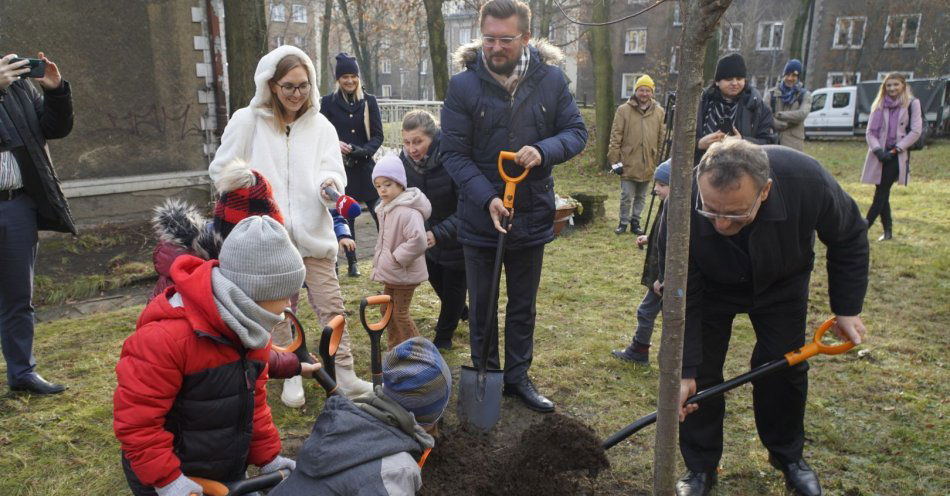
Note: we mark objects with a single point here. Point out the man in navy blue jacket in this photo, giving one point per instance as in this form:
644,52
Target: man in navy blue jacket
510,97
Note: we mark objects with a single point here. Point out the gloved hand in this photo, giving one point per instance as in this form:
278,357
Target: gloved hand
359,152
881,154
182,486
277,464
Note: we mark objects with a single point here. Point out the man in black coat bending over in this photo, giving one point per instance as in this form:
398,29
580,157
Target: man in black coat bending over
30,200
752,236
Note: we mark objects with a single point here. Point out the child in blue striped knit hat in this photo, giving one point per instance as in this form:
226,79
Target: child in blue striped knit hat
373,444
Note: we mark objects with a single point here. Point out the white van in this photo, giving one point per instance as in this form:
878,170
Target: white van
832,112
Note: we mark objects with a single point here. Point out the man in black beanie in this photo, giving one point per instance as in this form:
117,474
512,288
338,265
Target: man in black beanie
730,108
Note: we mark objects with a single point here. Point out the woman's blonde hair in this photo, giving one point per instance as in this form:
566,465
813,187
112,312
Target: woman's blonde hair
359,88
420,119
286,65
906,97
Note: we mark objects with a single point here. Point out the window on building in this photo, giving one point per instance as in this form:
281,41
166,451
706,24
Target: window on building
849,32
901,31
424,67
387,91
465,36
731,39
843,78
278,41
299,13
629,79
636,41
840,100
677,20
385,66
771,35
674,60
818,102
907,74
278,12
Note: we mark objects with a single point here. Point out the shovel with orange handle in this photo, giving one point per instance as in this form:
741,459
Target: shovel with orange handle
330,339
479,402
214,488
816,347
375,331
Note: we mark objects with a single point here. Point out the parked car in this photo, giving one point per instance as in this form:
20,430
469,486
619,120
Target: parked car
832,112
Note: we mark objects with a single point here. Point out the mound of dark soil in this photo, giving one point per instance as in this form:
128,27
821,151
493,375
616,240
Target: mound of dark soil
552,456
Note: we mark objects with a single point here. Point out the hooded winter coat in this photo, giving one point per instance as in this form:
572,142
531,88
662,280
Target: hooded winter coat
789,120
753,118
480,119
401,244
442,193
359,124
37,118
351,452
190,397
296,161
636,139
876,137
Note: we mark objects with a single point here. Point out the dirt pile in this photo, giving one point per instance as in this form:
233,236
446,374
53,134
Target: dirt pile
553,456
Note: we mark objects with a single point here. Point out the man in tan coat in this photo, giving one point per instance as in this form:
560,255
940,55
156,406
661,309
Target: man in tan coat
790,103
636,139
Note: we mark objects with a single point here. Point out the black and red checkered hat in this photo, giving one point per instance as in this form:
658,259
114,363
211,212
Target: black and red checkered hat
234,206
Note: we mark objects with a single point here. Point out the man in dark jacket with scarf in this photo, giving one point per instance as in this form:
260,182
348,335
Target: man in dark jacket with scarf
30,200
752,235
729,107
510,97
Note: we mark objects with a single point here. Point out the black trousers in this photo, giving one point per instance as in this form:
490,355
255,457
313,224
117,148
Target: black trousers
371,206
522,276
778,400
881,204
449,284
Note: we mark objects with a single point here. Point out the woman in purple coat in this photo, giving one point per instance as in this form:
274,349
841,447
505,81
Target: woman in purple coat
894,125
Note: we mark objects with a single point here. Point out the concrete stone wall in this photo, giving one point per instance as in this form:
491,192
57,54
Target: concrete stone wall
131,65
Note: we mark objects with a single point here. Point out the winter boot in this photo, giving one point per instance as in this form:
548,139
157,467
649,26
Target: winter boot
635,228
350,385
352,270
292,395
621,228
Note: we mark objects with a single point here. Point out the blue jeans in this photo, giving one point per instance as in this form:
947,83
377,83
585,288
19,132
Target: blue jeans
646,316
18,244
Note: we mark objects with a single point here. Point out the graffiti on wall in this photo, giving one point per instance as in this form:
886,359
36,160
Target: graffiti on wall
176,121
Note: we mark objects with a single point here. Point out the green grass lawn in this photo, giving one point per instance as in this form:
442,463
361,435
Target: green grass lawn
876,422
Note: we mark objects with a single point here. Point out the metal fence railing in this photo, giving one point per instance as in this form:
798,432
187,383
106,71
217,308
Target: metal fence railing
392,112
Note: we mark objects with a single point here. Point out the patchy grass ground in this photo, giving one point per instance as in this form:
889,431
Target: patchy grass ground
876,424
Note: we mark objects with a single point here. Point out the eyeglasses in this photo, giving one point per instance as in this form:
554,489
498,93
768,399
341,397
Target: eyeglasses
732,218
289,89
503,41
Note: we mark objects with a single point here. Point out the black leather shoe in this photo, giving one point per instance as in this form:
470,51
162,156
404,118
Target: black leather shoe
635,228
34,384
353,270
696,483
800,479
525,390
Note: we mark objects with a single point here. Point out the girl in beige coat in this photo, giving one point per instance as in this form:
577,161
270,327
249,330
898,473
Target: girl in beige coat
399,261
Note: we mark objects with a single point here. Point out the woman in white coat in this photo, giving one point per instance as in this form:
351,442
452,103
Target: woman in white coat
282,135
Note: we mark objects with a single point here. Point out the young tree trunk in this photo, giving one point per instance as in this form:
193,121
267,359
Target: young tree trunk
326,79
545,16
702,18
359,47
245,27
798,31
711,58
438,52
603,82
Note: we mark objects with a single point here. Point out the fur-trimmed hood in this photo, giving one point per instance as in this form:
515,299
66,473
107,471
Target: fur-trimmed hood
468,54
181,224
265,70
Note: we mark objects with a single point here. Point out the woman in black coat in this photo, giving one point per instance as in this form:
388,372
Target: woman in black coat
355,115
444,260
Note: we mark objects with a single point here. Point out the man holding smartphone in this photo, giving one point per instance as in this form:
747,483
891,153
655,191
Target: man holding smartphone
30,200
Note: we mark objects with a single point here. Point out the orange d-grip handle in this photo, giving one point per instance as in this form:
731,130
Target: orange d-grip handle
210,487
510,182
816,347
387,312
298,336
337,325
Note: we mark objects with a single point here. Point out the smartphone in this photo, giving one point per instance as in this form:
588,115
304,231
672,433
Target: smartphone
726,125
37,68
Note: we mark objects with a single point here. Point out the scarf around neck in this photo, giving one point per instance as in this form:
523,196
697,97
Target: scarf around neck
511,82
249,321
719,109
789,95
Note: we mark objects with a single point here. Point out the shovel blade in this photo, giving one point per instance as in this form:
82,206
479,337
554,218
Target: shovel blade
480,397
